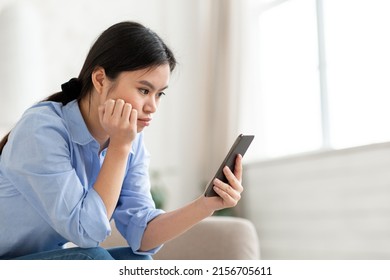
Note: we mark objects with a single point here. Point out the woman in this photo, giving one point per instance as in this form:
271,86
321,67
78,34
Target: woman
77,159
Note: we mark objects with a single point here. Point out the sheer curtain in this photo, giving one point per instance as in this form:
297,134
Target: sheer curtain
224,81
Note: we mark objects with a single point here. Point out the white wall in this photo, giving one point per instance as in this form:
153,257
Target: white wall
178,136
21,57
328,205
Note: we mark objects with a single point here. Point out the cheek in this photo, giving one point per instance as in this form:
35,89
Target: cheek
135,104
130,98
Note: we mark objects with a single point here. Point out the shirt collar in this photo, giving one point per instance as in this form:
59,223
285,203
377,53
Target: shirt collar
77,128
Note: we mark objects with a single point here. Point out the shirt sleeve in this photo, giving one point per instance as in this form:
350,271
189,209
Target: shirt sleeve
136,207
38,153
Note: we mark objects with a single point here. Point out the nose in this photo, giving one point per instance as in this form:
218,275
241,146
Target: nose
151,104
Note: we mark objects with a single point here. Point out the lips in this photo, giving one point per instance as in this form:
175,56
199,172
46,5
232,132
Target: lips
145,121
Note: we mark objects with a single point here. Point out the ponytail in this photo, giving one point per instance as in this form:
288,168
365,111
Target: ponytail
70,91
3,142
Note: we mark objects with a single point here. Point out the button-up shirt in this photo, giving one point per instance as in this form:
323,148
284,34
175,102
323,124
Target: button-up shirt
47,171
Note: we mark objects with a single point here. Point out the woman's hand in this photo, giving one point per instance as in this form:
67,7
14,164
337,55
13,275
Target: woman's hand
119,120
171,224
229,194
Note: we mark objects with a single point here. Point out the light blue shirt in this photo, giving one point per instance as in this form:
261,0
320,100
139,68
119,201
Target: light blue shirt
47,172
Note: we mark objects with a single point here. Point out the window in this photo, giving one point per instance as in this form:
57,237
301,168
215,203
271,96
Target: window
289,82
357,48
323,75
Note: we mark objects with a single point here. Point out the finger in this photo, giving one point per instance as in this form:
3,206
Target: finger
118,108
238,168
227,189
232,179
127,111
229,201
108,108
133,117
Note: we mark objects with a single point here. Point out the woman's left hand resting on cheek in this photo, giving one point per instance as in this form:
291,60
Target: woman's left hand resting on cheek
171,224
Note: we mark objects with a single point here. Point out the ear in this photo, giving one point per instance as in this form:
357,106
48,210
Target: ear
99,78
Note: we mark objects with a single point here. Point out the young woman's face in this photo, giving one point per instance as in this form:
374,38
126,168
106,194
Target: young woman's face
143,89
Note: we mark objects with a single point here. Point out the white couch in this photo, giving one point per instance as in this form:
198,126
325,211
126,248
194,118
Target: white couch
215,238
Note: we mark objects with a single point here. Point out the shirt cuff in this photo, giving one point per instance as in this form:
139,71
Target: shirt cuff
96,225
136,230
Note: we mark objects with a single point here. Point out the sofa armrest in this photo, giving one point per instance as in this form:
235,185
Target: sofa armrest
214,238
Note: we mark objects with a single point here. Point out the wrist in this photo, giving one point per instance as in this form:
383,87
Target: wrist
204,207
119,147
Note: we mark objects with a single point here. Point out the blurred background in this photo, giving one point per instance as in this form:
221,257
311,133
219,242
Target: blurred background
309,78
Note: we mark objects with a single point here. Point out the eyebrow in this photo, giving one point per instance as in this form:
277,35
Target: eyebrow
150,85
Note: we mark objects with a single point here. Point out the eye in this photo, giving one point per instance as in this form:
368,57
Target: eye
161,94
143,91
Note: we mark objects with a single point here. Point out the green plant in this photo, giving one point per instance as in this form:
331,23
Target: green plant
157,189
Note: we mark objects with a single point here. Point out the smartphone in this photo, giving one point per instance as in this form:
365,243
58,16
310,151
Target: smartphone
240,146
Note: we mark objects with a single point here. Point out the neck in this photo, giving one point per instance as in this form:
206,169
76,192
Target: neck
91,118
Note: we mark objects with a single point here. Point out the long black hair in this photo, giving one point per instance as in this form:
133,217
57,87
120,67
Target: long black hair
125,46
